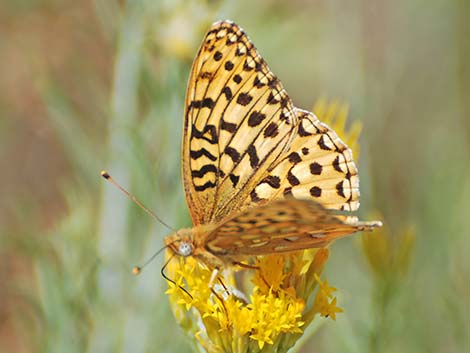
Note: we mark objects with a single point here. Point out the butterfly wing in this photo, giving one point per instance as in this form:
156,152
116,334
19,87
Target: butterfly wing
238,121
281,226
317,166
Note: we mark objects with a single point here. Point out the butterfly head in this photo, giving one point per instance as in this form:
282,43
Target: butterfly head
181,243
185,248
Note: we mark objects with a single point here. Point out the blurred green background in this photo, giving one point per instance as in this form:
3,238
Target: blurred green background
91,85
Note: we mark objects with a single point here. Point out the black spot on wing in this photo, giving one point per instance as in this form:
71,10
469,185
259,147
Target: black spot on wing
256,118
315,191
336,164
202,152
272,181
206,75
254,159
254,196
208,103
227,92
285,101
230,127
217,56
205,186
271,99
315,168
238,52
237,78
228,65
294,158
247,66
229,42
195,104
288,191
302,132
322,144
232,153
292,179
234,179
209,133
272,130
257,83
208,168
274,83
340,189
244,99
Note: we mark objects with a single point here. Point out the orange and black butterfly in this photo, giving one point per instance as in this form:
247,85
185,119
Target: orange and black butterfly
260,175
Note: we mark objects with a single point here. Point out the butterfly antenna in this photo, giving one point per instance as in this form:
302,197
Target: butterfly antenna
109,178
170,280
138,269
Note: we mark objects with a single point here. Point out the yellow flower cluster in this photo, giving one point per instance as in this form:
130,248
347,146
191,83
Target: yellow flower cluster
325,303
266,309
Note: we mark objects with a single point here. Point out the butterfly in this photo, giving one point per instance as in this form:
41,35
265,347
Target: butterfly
260,175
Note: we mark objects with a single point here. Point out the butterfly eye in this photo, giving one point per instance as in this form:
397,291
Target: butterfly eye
185,248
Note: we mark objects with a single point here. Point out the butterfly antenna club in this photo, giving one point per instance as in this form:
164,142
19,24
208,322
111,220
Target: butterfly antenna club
138,269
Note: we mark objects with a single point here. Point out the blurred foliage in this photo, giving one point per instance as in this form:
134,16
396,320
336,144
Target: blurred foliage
96,84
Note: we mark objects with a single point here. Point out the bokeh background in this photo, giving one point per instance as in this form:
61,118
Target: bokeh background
91,85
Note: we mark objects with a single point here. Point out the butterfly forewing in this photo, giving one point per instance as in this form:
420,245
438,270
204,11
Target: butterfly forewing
238,121
281,226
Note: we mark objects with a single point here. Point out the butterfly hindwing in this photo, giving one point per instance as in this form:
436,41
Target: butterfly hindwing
317,166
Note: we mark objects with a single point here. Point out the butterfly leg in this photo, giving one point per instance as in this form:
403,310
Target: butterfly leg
223,289
245,266
220,299
215,273
251,267
231,290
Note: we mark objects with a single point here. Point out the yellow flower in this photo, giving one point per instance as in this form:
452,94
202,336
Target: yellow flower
325,287
267,310
323,304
